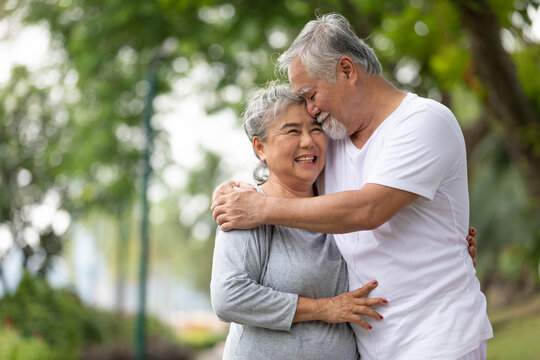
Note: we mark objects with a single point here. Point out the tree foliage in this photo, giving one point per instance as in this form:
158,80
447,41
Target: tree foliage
477,57
33,142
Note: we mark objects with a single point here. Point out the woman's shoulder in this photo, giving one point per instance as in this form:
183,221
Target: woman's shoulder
258,233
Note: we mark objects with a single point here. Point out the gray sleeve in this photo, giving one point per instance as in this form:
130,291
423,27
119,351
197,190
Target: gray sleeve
235,292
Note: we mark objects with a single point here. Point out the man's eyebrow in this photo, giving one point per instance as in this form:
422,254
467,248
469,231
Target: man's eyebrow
304,90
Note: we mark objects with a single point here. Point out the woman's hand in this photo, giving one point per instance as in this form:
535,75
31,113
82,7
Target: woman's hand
347,307
471,239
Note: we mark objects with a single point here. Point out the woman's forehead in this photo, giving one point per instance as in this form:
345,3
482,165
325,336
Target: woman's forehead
293,115
296,112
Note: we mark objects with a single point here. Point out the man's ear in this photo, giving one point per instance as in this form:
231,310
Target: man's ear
260,148
346,69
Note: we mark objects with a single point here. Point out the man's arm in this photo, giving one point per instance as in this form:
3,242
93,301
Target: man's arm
336,213
229,212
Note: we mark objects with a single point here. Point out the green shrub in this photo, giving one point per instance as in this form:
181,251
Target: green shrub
56,316
13,346
56,319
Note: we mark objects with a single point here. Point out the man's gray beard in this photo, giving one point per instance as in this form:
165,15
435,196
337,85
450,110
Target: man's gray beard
334,128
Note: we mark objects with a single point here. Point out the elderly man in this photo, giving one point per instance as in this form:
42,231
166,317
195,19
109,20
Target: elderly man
395,187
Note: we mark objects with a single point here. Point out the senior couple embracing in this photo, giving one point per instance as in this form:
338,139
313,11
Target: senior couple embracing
355,241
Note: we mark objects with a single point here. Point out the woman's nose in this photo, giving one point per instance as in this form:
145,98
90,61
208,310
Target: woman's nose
306,140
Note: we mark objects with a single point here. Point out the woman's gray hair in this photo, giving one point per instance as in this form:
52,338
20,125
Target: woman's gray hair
266,105
322,42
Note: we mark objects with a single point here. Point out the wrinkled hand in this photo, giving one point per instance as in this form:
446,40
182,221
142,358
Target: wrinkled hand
229,187
240,209
471,239
351,306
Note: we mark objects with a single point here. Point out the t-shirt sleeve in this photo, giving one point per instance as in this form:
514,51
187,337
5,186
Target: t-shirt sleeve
417,153
236,294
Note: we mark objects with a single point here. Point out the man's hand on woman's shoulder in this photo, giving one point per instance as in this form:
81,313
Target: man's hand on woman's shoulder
230,186
237,205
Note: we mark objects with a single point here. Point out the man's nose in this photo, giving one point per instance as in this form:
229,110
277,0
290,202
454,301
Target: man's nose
312,109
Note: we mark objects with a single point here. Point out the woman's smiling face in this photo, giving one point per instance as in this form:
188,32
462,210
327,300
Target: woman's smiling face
294,149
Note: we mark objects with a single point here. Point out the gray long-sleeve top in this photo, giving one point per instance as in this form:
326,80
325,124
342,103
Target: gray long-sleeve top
257,276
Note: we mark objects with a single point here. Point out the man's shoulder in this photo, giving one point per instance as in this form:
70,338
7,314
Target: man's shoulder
421,122
418,104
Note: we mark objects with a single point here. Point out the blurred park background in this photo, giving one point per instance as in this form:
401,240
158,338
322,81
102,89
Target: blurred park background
79,168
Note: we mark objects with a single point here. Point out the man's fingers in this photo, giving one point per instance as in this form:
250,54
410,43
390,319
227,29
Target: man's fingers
472,231
222,189
220,219
222,197
223,222
244,186
217,210
217,202
229,187
225,227
213,208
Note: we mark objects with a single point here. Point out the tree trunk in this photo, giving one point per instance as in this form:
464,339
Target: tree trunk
506,97
121,263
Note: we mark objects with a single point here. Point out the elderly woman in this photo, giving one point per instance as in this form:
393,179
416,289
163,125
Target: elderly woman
285,289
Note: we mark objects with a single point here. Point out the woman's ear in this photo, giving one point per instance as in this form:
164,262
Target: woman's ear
260,148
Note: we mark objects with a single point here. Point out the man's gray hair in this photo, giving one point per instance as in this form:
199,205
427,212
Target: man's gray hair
322,42
266,105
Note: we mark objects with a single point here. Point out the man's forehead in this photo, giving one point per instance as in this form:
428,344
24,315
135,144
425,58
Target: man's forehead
299,78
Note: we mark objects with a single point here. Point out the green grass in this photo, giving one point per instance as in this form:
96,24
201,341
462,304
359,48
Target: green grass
516,332
201,338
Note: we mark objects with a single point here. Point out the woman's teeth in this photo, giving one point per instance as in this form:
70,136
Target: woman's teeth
305,159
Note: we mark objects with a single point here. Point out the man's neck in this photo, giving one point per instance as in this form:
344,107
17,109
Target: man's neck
385,99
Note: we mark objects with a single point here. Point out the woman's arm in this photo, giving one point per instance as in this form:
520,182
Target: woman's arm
237,296
346,307
235,292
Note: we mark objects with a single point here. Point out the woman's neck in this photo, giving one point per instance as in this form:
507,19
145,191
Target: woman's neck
274,187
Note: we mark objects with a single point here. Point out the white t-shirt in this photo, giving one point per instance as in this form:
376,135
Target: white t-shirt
419,257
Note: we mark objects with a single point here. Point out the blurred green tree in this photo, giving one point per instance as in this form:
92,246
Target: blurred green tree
477,57
34,141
